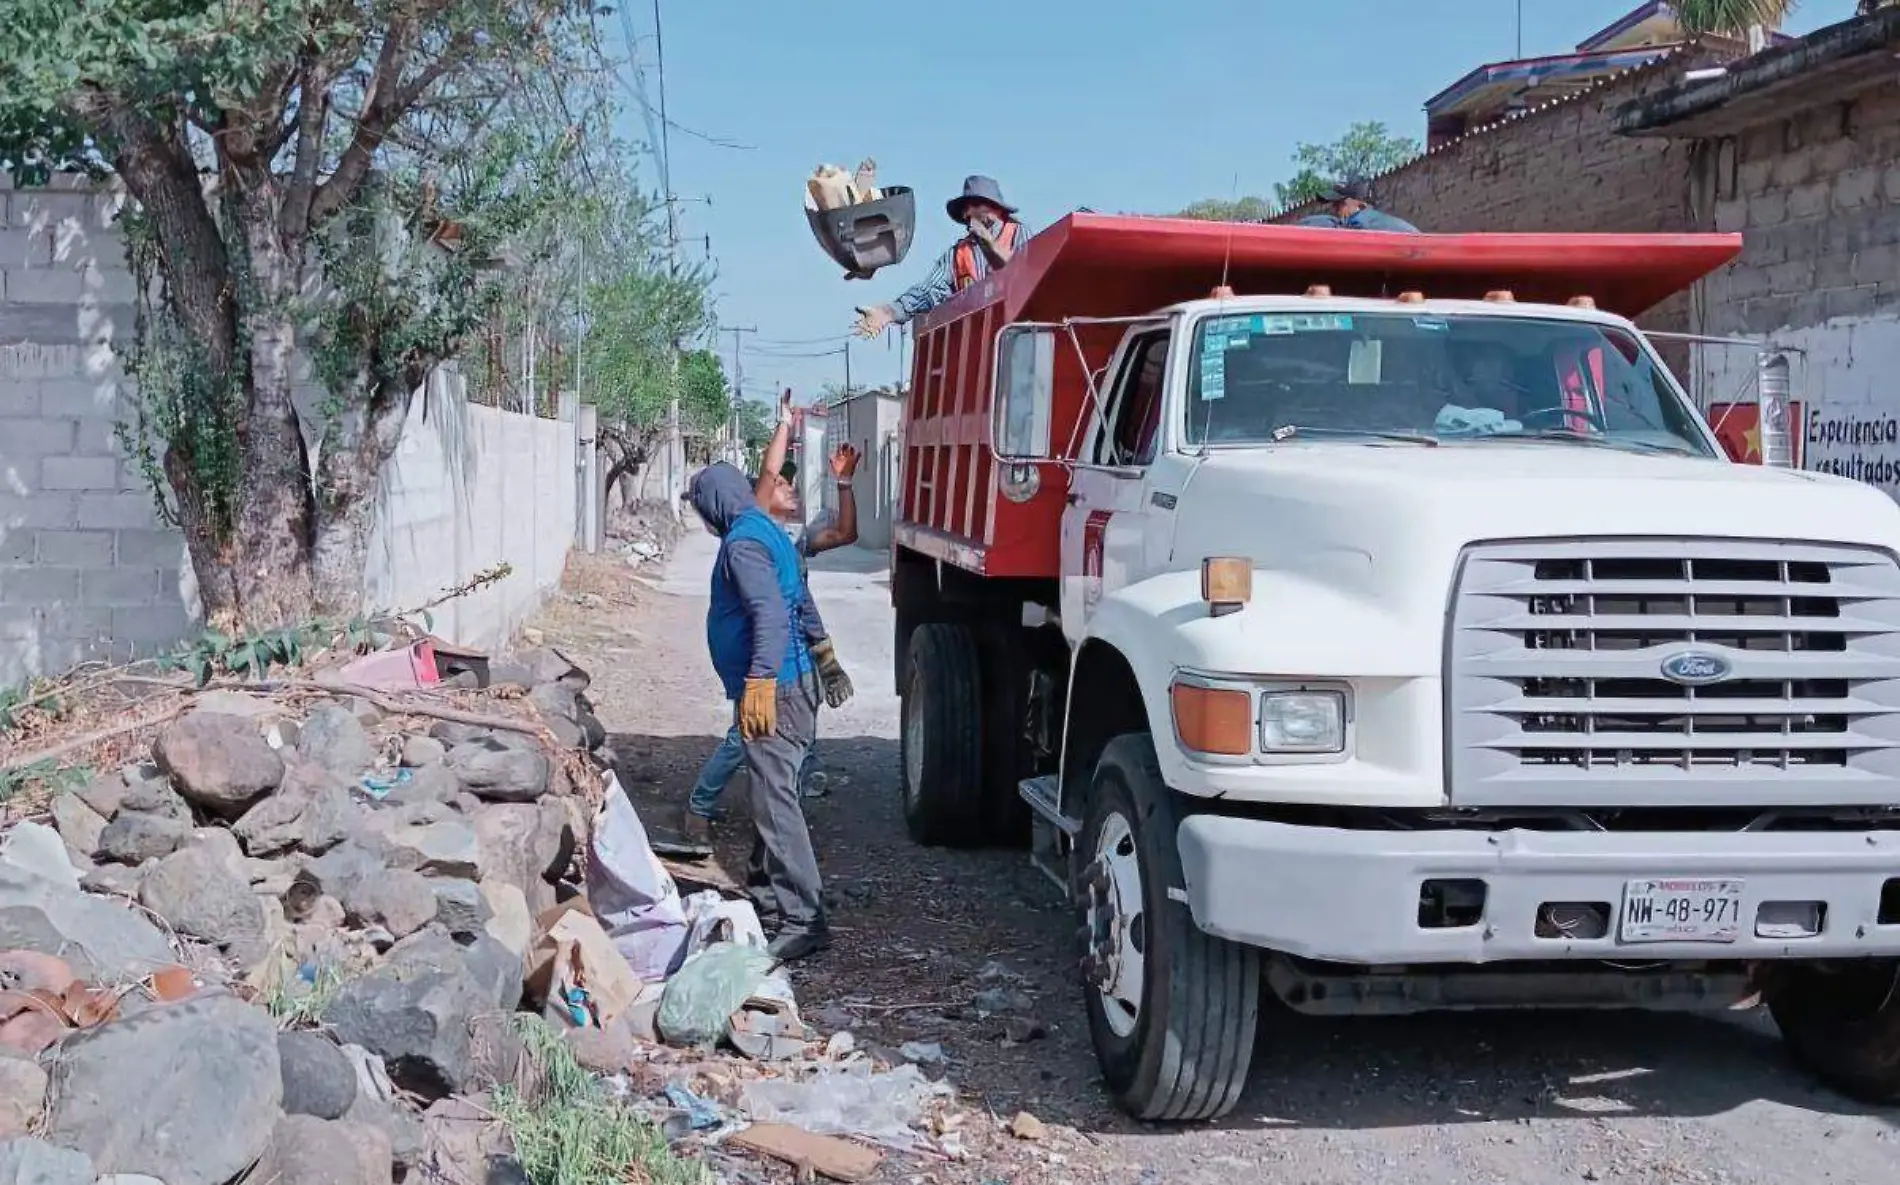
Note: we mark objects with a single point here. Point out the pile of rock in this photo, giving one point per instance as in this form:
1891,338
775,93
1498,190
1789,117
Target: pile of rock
347,899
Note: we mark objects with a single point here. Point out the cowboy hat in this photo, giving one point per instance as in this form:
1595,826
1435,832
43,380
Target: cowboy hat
977,189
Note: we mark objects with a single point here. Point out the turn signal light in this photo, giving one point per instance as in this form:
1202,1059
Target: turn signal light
1582,302
1222,292
1213,720
1500,296
1319,290
1226,583
1411,297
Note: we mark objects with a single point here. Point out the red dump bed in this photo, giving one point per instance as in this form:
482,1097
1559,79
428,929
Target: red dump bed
1092,265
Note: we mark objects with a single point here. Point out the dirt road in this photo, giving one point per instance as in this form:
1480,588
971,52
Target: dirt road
1459,1100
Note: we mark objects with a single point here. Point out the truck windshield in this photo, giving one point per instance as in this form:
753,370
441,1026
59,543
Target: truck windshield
1264,377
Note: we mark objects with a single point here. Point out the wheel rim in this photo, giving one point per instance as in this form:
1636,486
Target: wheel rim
913,747
1117,961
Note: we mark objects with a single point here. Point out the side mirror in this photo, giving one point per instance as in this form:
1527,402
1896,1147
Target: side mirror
1024,392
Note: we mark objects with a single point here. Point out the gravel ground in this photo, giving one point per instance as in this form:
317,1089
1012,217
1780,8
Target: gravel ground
1522,1099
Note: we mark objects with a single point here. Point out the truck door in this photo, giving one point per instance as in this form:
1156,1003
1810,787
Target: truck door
1115,530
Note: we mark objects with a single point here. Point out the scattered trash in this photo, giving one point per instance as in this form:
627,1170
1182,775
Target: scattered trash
1021,1030
576,968
807,1152
841,1045
379,787
850,1100
710,918
991,1001
405,668
701,997
1027,1127
701,1115
632,893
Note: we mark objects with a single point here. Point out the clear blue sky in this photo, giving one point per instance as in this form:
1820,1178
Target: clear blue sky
1120,105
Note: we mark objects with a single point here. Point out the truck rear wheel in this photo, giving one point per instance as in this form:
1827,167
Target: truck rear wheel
942,738
1842,1020
1172,1010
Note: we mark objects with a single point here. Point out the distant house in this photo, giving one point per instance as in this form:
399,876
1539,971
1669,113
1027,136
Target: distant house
1498,90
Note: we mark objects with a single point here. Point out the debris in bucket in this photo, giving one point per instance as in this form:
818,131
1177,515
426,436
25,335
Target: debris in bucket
831,188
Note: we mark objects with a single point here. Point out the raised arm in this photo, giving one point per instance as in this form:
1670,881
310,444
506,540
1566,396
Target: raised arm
843,531
775,450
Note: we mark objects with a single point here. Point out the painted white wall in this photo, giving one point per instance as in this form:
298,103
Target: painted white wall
1847,379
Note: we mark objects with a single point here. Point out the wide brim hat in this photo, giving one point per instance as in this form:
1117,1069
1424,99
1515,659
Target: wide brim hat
977,189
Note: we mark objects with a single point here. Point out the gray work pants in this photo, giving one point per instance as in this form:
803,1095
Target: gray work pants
783,876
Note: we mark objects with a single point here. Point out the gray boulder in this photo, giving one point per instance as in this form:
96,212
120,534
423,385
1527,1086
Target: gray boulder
420,752
419,1021
185,1092
218,762
105,792
435,783
335,739
100,939
494,968
490,769
400,900
527,845
78,824
338,869
135,837
312,811
25,1161
305,1150
445,848
461,909
201,895
22,1094
155,796
318,1078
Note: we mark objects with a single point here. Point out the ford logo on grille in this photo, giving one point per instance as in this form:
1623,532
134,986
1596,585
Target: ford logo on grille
1694,668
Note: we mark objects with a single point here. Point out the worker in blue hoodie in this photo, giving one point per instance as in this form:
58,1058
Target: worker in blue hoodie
776,662
1348,205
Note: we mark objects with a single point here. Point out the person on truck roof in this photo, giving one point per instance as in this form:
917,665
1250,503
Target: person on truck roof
775,660
993,236
775,492
1349,206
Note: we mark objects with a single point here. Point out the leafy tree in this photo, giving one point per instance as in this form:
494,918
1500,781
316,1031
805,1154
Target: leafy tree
1732,17
338,178
1366,150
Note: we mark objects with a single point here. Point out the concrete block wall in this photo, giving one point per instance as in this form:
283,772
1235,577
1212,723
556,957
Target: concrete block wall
87,570
1816,197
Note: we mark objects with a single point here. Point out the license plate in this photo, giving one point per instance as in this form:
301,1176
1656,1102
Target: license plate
1681,911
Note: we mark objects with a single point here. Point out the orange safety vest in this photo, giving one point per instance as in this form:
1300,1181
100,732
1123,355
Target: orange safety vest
963,261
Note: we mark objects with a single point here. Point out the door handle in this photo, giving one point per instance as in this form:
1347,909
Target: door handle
1074,498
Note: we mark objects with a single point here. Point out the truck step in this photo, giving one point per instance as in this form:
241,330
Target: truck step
1042,796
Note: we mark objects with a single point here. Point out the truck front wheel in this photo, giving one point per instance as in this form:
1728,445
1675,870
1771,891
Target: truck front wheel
942,738
1842,1020
1171,1009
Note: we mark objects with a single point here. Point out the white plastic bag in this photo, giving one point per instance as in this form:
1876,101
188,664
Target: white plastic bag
630,890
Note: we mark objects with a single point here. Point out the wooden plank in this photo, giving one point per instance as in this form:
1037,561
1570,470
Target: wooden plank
828,1156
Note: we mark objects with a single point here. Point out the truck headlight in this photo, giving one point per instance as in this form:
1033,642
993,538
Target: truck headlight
1302,721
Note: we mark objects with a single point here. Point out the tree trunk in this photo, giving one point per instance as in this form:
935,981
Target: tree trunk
355,448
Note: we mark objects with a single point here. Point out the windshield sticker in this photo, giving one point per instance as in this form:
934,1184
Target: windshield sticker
1213,376
1226,325
1236,341
1285,323
1433,323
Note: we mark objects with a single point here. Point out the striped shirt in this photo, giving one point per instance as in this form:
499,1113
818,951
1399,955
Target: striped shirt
936,287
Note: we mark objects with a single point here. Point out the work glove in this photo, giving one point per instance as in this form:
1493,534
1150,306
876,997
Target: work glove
758,710
837,684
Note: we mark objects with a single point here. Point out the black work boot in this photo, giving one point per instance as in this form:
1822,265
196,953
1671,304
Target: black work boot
792,944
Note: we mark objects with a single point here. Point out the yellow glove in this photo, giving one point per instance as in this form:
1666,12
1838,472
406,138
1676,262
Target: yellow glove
831,674
758,711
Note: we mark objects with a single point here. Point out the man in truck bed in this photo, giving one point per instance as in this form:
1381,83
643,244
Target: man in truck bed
993,237
1349,207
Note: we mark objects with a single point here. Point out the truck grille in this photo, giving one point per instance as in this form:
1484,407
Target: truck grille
1784,685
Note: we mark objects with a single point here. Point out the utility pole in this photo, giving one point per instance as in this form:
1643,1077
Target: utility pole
847,367
675,450
738,377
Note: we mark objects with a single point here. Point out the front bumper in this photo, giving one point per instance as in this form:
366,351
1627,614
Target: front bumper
1353,896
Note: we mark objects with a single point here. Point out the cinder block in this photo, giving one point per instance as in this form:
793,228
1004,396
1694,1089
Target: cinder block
18,545
1856,188
116,510
79,473
38,511
26,249
88,285
96,438
81,398
76,549
1768,208
39,585
76,623
1809,201
22,438
153,629
19,397
161,549
115,588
